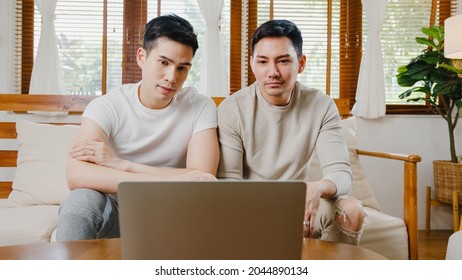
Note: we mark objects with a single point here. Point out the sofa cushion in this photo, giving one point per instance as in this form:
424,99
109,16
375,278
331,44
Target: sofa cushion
27,224
385,234
40,177
360,187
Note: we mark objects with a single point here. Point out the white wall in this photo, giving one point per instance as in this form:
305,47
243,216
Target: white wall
426,136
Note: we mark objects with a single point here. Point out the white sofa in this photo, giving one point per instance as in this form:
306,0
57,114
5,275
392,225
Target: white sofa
30,213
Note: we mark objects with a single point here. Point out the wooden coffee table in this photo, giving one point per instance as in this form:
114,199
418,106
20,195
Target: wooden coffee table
109,249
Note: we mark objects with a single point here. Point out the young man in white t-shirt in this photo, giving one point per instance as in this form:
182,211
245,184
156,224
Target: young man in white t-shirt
151,130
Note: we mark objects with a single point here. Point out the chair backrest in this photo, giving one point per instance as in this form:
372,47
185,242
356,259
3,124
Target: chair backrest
454,249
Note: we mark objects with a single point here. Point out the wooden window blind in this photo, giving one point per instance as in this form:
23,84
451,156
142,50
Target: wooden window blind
134,19
89,37
143,10
24,45
332,39
237,60
334,32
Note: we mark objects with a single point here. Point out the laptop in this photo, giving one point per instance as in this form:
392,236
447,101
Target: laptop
219,220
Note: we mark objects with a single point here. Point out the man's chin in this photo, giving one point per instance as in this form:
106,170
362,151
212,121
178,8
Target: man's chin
274,91
166,94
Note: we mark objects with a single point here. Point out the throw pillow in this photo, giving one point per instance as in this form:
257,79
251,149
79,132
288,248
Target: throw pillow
40,176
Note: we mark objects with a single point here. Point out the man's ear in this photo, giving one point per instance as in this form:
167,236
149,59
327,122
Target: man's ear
301,63
141,57
250,62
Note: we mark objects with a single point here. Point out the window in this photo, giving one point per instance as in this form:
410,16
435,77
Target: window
188,9
98,39
332,40
79,27
142,11
333,66
80,40
403,22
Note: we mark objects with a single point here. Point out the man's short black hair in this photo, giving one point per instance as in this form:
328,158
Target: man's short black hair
279,28
172,27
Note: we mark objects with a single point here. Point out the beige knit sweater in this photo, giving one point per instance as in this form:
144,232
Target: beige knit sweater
261,141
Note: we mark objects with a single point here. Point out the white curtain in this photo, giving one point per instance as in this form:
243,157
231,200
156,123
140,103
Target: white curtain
214,71
370,92
7,11
47,74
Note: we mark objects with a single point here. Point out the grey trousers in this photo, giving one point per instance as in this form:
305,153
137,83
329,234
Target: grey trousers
326,226
88,214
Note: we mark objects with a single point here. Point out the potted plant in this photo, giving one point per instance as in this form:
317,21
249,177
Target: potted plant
434,79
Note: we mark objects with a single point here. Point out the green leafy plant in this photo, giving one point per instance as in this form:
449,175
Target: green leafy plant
434,79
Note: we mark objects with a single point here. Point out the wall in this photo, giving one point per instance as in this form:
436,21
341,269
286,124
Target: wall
426,136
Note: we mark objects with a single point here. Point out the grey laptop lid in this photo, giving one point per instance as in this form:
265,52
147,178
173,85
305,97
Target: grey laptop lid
212,220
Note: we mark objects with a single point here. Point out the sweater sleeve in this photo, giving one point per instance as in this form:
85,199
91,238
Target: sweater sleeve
333,152
231,148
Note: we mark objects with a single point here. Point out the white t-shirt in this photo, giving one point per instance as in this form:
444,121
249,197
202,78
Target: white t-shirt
147,136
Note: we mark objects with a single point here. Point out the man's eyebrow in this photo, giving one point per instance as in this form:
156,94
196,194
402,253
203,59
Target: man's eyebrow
172,61
278,57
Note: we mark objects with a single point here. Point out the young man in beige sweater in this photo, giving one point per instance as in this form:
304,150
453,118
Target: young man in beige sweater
269,131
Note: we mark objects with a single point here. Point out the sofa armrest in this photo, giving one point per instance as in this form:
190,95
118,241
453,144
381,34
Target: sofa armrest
409,193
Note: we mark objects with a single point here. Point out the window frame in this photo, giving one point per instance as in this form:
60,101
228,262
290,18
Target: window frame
135,15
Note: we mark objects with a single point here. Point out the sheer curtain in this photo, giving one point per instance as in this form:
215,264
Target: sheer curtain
47,75
214,73
7,9
370,92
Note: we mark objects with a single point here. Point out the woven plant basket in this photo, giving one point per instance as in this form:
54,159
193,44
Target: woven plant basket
448,178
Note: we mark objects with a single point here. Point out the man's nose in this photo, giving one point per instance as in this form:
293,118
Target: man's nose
170,74
273,71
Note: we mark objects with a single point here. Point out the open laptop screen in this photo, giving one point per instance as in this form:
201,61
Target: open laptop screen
212,220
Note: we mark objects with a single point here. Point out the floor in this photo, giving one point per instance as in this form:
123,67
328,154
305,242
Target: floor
432,245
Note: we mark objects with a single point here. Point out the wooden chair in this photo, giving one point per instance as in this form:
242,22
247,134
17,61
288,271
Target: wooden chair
429,202
409,194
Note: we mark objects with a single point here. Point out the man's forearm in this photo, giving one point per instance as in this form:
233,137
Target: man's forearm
81,174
